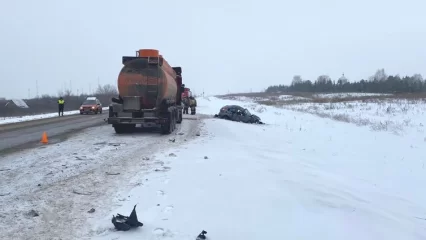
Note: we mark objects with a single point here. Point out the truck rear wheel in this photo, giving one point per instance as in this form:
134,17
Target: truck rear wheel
167,128
124,128
179,116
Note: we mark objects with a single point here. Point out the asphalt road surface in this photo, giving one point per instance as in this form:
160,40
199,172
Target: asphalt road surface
22,135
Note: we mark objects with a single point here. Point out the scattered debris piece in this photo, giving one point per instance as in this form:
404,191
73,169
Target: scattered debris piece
172,155
108,173
114,144
181,133
201,236
123,223
4,194
198,134
172,140
33,213
205,157
82,158
145,158
39,185
7,169
91,210
81,193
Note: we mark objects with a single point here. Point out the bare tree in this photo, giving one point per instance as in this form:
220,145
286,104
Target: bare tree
107,89
67,92
417,77
323,79
379,76
297,79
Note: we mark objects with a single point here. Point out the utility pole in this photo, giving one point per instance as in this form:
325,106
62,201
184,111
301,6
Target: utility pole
37,88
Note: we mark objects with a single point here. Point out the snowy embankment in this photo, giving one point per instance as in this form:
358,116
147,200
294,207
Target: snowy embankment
396,115
298,177
7,120
348,95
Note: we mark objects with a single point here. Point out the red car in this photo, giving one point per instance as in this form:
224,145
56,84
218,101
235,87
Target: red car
91,105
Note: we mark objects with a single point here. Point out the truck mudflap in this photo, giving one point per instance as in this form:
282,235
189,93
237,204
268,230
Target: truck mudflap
130,120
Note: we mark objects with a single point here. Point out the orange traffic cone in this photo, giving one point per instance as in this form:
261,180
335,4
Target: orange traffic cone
44,138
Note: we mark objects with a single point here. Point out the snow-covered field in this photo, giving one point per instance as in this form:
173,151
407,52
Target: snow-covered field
348,95
299,176
6,120
400,116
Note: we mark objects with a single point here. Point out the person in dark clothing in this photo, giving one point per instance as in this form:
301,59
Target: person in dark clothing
192,104
61,103
185,105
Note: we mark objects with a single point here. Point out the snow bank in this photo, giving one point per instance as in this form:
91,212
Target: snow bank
299,177
399,116
291,98
346,95
6,120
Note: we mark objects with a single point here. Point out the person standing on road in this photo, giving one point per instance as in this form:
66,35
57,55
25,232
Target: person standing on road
185,105
61,103
192,104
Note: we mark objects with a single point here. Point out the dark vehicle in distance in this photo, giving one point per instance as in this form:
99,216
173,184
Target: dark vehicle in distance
91,105
238,114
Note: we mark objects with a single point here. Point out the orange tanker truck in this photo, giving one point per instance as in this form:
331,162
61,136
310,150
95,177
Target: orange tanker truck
150,94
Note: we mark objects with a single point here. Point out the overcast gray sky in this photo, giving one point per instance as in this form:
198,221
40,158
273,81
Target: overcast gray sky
222,45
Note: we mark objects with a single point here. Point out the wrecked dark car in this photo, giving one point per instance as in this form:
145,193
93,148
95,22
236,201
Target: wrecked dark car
238,114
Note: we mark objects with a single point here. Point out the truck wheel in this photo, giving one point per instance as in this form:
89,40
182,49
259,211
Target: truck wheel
174,122
124,128
110,112
167,127
179,118
119,129
130,128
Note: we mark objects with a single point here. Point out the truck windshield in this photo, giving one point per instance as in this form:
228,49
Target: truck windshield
246,112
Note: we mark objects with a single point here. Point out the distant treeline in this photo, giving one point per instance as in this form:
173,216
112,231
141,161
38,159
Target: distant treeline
380,82
49,104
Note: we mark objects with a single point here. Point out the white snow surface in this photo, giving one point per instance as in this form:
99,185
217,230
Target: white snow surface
400,116
297,177
64,179
7,120
346,95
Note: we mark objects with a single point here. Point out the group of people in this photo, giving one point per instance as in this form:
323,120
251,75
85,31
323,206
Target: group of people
189,102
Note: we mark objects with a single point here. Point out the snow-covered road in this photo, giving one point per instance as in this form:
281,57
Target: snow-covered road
63,181
298,177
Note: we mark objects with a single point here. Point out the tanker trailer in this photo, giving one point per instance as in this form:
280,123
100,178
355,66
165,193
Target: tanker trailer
149,94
